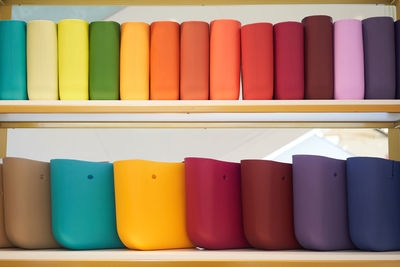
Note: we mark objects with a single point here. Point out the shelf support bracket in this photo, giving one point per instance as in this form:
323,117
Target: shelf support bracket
394,144
5,12
3,142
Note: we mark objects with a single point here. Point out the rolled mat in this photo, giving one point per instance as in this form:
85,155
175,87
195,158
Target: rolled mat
397,30
27,203
267,203
164,60
83,204
379,58
135,61
318,49
257,61
289,60
104,60
225,60
13,60
373,188
73,59
348,59
320,203
195,60
150,202
41,53
213,204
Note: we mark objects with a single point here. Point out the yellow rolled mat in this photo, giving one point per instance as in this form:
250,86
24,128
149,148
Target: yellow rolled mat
150,204
41,53
134,61
73,59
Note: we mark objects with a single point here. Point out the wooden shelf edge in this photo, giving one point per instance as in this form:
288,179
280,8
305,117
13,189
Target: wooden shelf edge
198,106
189,2
192,257
243,255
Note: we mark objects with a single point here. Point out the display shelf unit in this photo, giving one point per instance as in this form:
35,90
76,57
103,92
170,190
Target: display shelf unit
199,114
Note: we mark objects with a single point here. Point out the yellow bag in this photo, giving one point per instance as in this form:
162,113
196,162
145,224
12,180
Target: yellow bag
150,204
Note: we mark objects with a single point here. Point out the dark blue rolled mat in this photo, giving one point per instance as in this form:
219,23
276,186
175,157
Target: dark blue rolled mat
397,31
379,58
373,188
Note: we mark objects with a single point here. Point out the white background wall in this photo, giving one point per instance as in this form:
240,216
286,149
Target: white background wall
175,144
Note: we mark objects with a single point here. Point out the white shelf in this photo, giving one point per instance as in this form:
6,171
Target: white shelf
196,255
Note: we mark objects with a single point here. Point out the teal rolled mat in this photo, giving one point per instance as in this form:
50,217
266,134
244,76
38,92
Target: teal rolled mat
104,41
13,60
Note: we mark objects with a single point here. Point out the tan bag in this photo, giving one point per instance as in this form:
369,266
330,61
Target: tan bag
4,242
27,203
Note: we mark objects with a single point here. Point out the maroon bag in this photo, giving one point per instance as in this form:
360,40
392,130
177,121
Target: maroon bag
267,203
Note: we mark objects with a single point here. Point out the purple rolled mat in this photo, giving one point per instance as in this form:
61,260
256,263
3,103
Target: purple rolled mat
397,31
320,203
379,58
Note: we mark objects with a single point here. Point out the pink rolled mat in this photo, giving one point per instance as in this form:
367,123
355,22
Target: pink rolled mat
348,59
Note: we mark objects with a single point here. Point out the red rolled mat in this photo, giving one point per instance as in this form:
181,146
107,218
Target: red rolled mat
289,60
318,49
257,61
164,60
225,60
267,204
195,60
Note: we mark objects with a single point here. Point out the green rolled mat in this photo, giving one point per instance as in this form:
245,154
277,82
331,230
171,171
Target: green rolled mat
104,38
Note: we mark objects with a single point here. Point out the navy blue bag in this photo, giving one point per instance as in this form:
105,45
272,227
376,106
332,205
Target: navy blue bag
373,187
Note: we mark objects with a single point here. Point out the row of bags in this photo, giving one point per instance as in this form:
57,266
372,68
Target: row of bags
315,59
317,203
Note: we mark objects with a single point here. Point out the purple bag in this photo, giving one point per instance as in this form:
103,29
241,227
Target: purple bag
320,203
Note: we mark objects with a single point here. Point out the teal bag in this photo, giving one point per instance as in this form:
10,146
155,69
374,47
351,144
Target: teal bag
13,60
83,204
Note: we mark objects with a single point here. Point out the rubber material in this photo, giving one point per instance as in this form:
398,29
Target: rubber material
150,200
373,201
13,60
135,61
289,60
257,61
379,58
267,203
397,33
320,203
164,60
104,60
225,60
318,54
73,59
27,204
4,242
41,60
83,204
348,59
195,60
213,204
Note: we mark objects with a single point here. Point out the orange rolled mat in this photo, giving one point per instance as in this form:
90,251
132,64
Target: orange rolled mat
225,60
195,60
164,60
135,61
